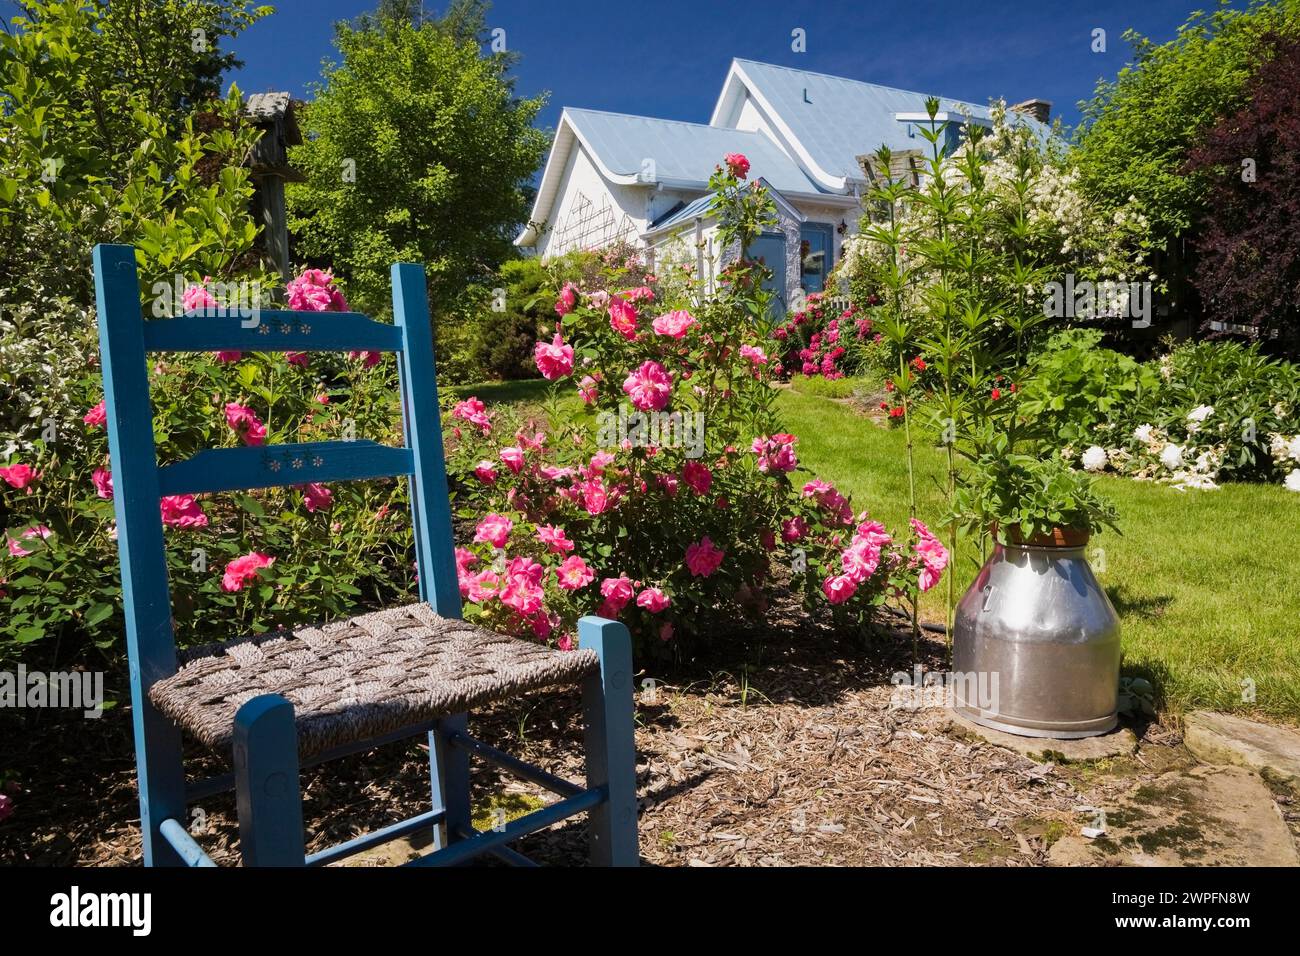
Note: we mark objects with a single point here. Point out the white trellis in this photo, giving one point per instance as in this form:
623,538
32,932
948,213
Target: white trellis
588,226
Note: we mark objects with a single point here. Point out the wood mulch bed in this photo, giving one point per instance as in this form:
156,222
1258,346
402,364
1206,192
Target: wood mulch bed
773,747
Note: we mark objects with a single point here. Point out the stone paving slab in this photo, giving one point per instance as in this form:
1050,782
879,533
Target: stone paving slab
1272,751
1205,816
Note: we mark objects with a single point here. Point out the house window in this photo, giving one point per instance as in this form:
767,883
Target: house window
816,252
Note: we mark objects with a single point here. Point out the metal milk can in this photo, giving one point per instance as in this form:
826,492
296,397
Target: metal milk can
1036,642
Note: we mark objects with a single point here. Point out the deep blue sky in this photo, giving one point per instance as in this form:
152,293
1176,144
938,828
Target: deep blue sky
668,58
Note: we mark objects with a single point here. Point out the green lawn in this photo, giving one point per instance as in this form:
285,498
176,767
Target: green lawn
1205,581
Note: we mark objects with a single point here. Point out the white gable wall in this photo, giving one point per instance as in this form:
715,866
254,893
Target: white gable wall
611,211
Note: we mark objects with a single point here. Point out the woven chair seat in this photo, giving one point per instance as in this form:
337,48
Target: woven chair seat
360,678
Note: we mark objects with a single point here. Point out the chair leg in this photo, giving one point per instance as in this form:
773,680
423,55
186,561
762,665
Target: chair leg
611,744
160,771
267,788
449,774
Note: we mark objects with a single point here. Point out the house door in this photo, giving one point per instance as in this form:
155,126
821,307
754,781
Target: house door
815,251
769,249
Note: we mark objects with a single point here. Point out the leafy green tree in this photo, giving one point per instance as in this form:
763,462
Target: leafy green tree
103,142
1137,130
417,150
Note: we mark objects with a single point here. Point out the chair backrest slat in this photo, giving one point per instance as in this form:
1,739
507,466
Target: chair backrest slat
231,469
270,330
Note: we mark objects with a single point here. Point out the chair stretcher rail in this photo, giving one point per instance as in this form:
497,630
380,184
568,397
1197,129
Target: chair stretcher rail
184,844
367,840
465,850
514,765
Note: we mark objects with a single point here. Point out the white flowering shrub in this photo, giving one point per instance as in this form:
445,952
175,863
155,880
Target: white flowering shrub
1031,185
1204,413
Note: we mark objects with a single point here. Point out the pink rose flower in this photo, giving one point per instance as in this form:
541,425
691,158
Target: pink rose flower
737,164
703,558
242,419
243,570
839,589
573,573
486,472
816,487
196,297
697,477
674,324
649,387
296,358
523,590
622,318
792,529
567,300
616,592
182,511
19,476
97,417
653,600
595,497
755,355
641,293
776,453
473,410
514,458
36,531
479,587
874,532
860,560
314,291
554,360
369,359
932,555
103,482
316,496
587,389
554,539
494,529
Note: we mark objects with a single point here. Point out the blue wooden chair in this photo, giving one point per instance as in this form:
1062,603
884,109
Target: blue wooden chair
275,702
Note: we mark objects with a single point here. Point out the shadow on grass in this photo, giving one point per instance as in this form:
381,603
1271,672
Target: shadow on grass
1148,607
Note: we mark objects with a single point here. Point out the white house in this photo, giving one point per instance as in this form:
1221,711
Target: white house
613,177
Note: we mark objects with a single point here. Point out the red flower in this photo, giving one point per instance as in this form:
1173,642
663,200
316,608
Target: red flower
997,393
896,412
737,164
918,363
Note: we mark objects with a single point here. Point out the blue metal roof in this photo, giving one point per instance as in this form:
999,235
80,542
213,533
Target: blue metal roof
838,119
684,154
693,209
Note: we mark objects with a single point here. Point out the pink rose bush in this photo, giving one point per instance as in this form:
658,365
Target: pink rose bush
815,342
237,562
670,495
